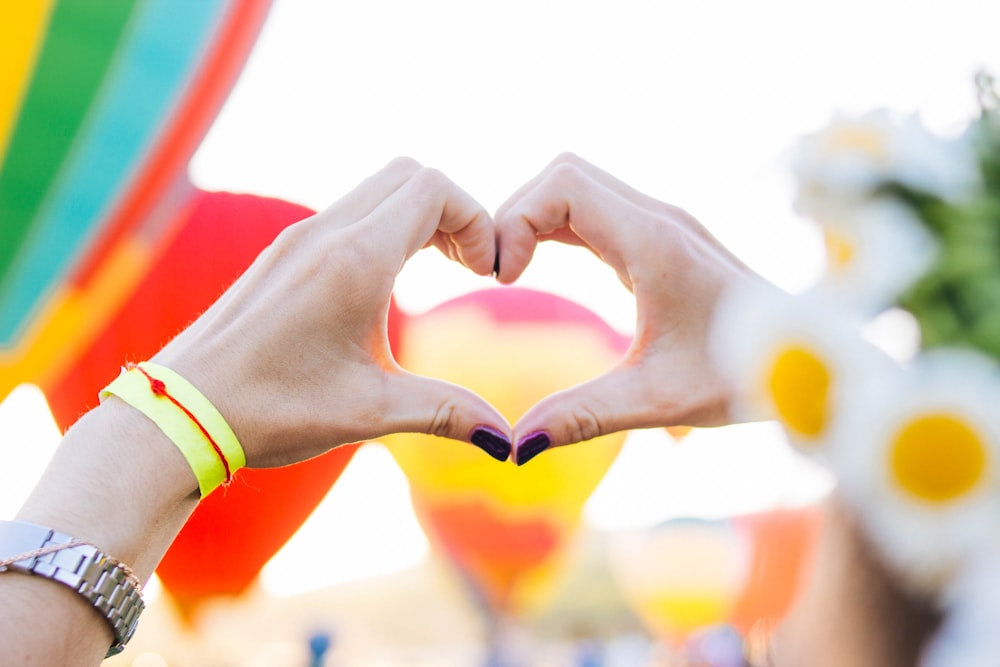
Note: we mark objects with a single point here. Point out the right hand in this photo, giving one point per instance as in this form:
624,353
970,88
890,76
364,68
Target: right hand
672,265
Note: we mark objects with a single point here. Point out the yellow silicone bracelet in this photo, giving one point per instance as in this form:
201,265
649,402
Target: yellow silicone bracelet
184,428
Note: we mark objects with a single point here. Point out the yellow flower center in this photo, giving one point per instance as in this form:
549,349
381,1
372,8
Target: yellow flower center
799,385
938,458
868,141
839,250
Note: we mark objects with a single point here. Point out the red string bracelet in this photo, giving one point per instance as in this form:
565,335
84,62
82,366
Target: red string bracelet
186,417
159,388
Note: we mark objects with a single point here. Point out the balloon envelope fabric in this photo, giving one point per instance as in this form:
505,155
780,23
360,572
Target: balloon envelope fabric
504,526
218,235
784,542
685,575
102,105
236,529
682,575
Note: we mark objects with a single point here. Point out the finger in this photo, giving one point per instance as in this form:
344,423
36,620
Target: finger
429,203
416,404
616,401
567,197
348,210
522,246
600,176
675,214
368,194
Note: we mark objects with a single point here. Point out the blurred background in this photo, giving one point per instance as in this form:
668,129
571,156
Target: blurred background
149,149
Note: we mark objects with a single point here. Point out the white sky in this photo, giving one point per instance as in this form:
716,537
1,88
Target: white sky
696,103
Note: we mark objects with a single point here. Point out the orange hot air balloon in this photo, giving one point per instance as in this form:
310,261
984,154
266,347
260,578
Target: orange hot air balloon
505,527
682,575
783,543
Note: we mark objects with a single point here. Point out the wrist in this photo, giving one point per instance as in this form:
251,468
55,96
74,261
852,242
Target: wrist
118,482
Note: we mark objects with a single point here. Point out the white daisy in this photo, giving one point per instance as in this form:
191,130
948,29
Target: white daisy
788,358
874,253
917,454
968,634
841,166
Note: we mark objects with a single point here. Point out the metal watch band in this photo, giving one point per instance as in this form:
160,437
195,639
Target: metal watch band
104,582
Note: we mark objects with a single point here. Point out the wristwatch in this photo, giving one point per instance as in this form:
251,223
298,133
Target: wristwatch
108,585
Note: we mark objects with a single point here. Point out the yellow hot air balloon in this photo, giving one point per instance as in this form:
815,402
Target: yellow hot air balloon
683,575
505,527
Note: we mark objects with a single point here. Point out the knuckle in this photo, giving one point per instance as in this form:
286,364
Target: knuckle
337,258
584,424
288,242
445,420
566,177
429,179
567,157
404,164
293,234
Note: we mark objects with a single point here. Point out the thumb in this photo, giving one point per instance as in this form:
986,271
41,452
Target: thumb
615,401
417,404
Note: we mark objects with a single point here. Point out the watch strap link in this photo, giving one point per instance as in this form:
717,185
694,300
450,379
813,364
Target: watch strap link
107,584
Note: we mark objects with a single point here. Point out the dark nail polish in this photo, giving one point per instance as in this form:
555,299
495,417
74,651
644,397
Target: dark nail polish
531,446
496,264
491,441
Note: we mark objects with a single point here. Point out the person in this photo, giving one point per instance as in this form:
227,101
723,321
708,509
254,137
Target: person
294,356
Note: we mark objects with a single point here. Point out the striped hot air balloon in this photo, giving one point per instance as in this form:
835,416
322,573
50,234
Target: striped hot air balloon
102,105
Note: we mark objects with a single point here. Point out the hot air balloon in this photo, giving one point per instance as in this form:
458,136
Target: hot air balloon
505,528
688,575
681,575
102,104
784,541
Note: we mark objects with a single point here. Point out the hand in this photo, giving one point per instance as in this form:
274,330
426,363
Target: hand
675,268
295,353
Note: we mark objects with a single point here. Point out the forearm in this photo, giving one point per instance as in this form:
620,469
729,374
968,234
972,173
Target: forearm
117,482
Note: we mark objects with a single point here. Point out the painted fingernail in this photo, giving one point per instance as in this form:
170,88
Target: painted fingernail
491,441
531,446
496,264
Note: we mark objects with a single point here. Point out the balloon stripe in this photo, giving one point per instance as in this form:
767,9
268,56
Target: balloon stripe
68,322
217,236
183,133
21,36
164,43
80,43
71,315
72,318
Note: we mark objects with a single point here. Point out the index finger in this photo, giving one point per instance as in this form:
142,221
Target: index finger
566,203
428,204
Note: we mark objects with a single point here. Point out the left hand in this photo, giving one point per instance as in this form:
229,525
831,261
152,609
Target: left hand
295,353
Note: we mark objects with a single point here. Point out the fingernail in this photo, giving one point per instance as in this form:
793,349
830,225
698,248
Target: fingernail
496,264
491,441
531,446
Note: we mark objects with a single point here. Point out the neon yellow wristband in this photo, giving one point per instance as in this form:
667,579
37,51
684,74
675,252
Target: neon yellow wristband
185,416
